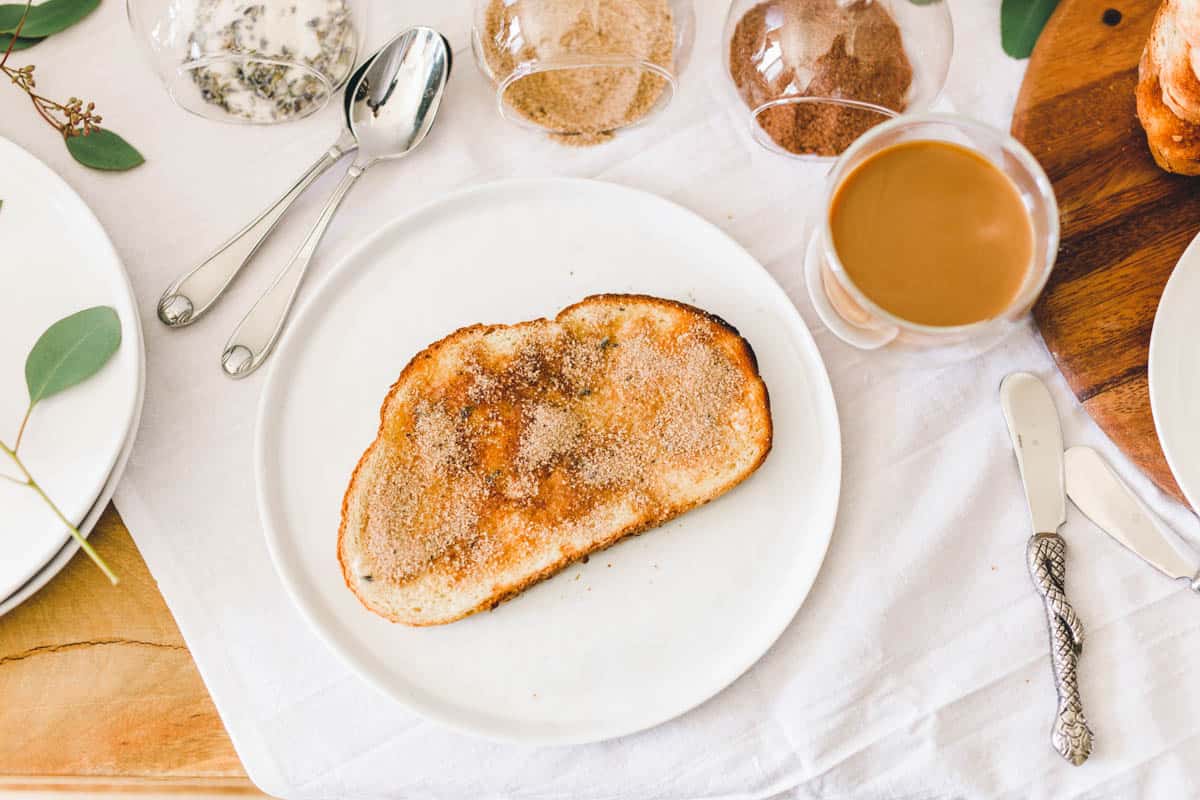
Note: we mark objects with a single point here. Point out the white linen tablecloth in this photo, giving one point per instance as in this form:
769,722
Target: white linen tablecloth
918,667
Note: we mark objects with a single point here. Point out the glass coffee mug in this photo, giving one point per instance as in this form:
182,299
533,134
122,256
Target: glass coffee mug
858,319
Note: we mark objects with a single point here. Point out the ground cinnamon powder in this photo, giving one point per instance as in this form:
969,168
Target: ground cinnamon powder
584,105
819,48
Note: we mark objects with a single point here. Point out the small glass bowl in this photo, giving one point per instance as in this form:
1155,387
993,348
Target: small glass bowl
814,75
253,61
581,70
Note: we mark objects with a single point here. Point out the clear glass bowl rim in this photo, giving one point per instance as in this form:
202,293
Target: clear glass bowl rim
168,78
565,62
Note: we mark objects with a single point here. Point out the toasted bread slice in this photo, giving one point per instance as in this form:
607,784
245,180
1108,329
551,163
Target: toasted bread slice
1174,143
1171,57
1187,17
506,452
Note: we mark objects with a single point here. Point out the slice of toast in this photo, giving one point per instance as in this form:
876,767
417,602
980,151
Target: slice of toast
1174,143
507,452
1168,90
1170,53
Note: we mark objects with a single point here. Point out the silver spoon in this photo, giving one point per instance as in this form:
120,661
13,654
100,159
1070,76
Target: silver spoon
195,292
389,111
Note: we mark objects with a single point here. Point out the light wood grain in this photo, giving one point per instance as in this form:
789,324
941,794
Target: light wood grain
1125,222
99,694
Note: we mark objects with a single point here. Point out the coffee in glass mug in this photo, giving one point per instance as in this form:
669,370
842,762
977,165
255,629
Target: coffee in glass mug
936,229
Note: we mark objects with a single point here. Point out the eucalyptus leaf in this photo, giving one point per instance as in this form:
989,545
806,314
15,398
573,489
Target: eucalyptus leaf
71,350
23,43
45,19
1021,22
103,149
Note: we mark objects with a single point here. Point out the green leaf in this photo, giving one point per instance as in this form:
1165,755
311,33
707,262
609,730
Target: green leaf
924,2
103,149
71,350
48,18
1021,21
23,42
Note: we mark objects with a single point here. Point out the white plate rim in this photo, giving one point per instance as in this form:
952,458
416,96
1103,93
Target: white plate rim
328,634
1160,346
59,558
63,557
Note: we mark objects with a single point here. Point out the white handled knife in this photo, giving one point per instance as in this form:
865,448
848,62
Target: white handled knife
1107,501
1037,439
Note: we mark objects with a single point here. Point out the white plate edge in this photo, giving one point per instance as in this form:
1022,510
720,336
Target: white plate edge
120,458
1190,253
283,569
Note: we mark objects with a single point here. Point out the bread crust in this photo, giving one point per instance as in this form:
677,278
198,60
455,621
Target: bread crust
747,363
1170,53
1168,95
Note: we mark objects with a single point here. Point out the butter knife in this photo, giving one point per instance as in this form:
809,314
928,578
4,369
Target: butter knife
1108,502
1037,439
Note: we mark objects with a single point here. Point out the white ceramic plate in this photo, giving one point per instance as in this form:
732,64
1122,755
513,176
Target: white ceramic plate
1175,372
71,547
645,630
57,260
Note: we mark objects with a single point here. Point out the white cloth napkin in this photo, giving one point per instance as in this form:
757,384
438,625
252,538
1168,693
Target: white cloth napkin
917,668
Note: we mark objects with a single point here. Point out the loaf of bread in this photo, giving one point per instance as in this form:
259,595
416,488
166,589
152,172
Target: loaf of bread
506,452
1168,90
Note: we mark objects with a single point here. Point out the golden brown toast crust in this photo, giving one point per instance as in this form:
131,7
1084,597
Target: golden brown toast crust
558,495
1174,142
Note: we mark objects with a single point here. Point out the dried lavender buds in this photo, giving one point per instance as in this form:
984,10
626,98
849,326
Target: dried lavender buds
271,61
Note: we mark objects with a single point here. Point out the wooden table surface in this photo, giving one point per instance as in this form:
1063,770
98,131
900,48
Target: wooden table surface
1125,222
99,694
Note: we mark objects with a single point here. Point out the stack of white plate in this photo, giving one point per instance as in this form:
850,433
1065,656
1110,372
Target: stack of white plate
58,260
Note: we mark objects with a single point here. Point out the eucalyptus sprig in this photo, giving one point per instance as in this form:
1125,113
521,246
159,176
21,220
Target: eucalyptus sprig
69,352
1021,23
23,26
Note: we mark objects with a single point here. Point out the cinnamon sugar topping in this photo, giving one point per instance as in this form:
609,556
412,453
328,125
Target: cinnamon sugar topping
534,432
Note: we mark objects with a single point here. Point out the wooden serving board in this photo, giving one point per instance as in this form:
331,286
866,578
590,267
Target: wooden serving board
1125,222
99,695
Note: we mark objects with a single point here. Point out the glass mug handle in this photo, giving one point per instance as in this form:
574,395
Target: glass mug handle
862,337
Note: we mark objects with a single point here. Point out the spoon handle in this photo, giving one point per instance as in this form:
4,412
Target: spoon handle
256,334
192,294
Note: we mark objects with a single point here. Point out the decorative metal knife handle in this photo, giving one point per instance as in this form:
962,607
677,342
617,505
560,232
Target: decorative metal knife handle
1070,735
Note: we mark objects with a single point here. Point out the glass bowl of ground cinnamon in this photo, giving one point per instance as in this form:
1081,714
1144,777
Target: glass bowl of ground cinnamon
814,75
581,70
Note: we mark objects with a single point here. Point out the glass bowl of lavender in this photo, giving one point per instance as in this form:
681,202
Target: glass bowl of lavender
250,61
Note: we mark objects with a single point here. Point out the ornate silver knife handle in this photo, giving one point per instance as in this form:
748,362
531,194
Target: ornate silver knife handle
1070,735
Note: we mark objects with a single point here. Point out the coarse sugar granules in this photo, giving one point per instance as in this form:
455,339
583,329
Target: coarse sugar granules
808,49
584,104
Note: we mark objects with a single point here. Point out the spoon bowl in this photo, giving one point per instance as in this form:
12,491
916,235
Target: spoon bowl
391,107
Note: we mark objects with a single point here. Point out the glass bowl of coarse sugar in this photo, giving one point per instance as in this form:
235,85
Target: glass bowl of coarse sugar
581,70
256,61
811,76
